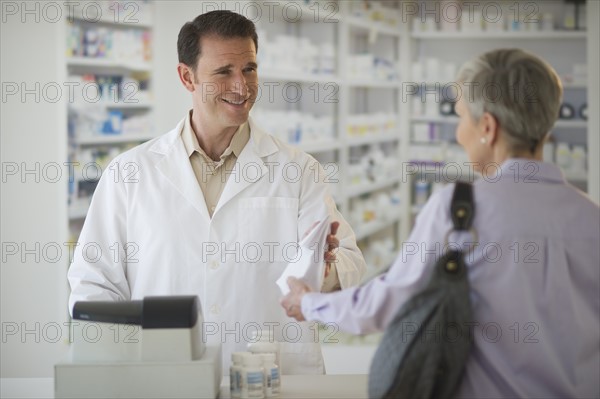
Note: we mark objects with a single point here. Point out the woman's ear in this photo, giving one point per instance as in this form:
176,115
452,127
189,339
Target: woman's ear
489,127
186,75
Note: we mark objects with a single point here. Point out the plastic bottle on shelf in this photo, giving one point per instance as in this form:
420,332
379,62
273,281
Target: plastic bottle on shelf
563,156
418,108
495,24
421,192
547,24
578,160
451,16
569,16
356,214
327,56
384,209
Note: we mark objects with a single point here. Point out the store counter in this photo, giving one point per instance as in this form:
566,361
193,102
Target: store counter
292,386
317,387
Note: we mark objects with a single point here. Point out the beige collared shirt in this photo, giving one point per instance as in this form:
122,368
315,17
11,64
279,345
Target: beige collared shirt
212,175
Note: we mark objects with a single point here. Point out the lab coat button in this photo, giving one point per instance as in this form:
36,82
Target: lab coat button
215,309
213,264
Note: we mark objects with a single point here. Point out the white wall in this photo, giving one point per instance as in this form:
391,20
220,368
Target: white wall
33,291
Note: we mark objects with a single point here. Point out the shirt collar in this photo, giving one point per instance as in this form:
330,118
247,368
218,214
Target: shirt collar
529,170
237,144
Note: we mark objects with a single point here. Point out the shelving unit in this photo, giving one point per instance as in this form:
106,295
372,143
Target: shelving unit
370,228
116,139
100,65
358,190
350,34
95,50
535,35
337,94
561,48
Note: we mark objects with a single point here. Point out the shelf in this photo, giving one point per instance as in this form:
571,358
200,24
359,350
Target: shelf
316,147
294,11
360,189
113,139
435,119
372,139
372,83
431,84
370,228
110,20
483,35
131,105
372,27
576,124
294,76
89,62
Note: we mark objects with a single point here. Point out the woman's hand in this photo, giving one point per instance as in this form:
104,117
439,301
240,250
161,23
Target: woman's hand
292,302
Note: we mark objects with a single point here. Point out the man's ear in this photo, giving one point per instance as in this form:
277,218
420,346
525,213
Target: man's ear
186,75
489,127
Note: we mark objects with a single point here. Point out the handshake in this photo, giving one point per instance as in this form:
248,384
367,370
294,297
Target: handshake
292,287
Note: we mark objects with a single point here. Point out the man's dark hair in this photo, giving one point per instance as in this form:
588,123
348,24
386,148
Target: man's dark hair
220,23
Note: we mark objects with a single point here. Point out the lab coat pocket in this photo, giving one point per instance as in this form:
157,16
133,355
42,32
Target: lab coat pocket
271,224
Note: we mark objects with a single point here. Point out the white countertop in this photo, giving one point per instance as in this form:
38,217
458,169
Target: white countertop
317,387
292,386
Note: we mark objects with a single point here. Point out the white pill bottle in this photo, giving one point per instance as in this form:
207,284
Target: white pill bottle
272,377
263,341
253,377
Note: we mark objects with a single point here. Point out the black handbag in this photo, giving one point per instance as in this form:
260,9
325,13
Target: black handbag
425,348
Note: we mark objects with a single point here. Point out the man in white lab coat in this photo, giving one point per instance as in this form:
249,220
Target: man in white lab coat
214,208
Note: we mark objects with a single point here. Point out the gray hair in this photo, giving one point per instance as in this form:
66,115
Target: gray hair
519,89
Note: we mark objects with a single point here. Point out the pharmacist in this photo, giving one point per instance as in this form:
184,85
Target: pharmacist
214,208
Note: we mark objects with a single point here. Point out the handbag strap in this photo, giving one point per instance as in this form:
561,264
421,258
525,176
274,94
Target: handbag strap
462,207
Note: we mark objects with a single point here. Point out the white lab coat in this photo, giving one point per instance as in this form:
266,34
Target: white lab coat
148,232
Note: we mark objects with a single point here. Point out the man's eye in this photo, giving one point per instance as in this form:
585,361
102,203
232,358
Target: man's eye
250,69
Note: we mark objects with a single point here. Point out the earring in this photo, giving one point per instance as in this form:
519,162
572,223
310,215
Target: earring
483,140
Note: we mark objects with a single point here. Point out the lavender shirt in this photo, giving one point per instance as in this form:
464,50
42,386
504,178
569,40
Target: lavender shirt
535,282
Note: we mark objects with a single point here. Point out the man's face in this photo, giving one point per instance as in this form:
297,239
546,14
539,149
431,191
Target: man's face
226,81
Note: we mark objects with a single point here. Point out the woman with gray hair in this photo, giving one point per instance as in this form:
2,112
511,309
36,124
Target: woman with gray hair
533,272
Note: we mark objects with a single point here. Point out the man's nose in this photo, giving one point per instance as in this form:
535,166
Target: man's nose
239,84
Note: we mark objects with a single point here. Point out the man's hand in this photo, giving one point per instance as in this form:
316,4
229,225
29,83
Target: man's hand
292,302
332,244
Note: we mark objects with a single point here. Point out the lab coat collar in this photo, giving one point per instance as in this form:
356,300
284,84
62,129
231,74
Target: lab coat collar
260,142
176,167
